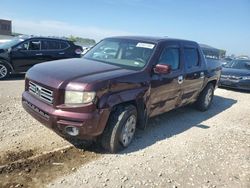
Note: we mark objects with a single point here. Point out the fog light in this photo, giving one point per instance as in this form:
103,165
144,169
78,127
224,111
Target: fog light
72,131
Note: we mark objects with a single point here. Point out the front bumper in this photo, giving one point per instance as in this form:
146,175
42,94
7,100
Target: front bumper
236,84
89,125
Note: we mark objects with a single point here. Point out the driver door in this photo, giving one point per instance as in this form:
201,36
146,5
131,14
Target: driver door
166,88
26,54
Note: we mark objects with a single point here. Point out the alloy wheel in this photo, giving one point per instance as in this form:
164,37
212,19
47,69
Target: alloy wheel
208,97
3,71
128,131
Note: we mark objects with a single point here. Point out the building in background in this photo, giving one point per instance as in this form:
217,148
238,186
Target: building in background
5,27
5,30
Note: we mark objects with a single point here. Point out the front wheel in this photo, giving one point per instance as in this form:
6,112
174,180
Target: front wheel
205,99
4,71
120,129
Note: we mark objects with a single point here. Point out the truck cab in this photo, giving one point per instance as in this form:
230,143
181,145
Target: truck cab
117,86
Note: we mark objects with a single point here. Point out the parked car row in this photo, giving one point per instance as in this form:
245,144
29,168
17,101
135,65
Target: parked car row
236,74
21,53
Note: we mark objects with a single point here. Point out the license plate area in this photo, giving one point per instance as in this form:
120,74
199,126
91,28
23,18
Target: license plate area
37,110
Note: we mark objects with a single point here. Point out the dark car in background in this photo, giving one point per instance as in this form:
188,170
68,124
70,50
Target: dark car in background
212,56
21,53
226,60
236,74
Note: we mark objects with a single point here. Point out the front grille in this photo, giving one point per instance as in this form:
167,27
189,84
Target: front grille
231,77
41,92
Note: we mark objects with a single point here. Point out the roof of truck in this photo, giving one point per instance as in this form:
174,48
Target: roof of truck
151,39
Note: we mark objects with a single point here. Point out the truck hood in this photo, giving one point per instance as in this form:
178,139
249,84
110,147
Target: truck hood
61,72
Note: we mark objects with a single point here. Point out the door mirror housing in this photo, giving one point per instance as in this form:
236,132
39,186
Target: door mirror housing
16,49
162,69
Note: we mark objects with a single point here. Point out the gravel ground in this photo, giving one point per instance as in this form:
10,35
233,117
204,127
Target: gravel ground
182,148
18,130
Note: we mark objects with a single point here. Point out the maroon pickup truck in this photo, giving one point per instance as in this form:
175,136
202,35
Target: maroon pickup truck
117,86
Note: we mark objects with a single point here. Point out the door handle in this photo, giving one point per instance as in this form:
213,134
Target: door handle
61,53
180,79
39,54
202,75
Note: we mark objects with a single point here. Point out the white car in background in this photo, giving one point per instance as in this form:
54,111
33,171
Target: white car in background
4,40
85,49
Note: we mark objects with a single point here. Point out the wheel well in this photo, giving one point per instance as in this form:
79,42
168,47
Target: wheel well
133,102
6,63
140,107
212,82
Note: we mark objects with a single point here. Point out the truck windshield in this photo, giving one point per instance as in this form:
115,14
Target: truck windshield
129,54
11,43
239,64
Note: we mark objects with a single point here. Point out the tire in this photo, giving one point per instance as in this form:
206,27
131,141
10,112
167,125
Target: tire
205,98
4,71
79,143
120,129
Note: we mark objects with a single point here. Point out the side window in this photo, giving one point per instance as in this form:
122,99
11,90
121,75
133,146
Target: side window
191,57
170,56
63,45
45,45
23,46
50,45
54,45
34,45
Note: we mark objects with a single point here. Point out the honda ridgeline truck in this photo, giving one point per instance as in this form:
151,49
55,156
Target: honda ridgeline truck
117,86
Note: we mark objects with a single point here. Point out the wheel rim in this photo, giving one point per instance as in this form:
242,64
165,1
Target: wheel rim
208,97
128,131
3,71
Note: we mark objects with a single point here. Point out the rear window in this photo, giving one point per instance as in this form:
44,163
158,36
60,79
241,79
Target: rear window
63,45
191,57
54,45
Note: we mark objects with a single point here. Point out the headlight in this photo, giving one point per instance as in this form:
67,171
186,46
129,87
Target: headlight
246,78
78,97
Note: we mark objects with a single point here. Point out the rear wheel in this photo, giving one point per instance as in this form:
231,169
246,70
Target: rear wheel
205,99
120,129
4,71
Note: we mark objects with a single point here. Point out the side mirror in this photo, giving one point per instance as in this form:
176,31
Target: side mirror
19,48
15,49
162,69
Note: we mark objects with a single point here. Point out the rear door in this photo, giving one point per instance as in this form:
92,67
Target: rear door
194,74
27,54
54,49
165,88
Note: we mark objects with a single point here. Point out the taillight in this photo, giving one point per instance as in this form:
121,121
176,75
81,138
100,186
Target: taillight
78,51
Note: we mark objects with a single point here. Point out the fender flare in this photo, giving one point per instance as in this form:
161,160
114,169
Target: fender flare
138,97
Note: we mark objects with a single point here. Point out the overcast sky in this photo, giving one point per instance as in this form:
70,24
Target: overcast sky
223,24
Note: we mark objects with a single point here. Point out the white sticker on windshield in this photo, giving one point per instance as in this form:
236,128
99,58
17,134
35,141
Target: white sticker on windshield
145,45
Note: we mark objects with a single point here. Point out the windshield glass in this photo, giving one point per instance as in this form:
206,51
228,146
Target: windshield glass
129,54
11,43
239,64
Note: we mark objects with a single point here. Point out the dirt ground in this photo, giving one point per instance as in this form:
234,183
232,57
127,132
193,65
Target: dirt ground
182,148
